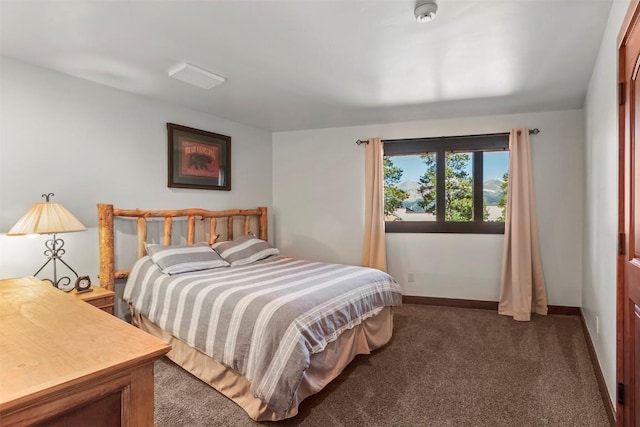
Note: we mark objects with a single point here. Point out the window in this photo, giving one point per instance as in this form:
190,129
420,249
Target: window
446,185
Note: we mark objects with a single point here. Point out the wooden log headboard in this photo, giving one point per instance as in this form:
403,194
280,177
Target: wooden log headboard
107,214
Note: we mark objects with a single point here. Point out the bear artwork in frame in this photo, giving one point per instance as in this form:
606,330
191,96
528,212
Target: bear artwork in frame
198,159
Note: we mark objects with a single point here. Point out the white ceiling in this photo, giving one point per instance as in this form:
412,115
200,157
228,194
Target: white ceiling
317,63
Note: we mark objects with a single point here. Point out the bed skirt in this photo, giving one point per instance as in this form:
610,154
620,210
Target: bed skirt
371,334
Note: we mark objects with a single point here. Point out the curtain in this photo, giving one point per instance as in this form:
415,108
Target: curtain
374,253
522,289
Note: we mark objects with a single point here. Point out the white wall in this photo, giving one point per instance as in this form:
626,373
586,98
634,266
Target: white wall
601,201
90,144
318,181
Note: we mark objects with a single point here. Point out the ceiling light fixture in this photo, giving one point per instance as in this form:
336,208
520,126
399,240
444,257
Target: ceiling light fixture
425,11
195,75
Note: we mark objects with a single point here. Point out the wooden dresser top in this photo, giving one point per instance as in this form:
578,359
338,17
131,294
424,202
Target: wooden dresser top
50,340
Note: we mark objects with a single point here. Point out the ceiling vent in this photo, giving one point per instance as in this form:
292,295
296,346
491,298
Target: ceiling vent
194,75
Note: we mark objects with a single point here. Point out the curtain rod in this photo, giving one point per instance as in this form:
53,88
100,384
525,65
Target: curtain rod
533,131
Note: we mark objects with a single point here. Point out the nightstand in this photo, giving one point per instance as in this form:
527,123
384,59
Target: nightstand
100,297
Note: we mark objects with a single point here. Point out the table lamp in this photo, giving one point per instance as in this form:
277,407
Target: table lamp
50,218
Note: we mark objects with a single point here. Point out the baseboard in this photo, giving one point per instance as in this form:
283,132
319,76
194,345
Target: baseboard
563,309
451,302
483,305
602,385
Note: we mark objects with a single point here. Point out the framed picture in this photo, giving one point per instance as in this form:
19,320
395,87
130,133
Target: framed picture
198,159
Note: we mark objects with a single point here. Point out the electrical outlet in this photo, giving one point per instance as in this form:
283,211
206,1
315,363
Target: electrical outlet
410,278
597,325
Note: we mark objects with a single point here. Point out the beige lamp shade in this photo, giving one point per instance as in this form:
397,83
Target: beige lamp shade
46,218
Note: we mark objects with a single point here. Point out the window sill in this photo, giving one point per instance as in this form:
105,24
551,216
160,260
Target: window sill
444,227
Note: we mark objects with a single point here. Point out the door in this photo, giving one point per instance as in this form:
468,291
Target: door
628,267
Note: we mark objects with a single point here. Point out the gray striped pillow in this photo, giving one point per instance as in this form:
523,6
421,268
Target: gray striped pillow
245,250
185,258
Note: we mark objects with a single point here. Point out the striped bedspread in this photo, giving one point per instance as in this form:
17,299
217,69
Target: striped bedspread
265,319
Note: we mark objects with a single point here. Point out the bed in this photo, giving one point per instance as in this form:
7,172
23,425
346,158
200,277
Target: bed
267,332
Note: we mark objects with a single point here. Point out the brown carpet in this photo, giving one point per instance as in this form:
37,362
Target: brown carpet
444,367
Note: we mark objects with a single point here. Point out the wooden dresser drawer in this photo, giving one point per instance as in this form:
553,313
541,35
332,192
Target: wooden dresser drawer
101,298
101,302
108,309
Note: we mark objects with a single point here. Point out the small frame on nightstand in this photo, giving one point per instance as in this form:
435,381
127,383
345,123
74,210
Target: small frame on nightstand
83,284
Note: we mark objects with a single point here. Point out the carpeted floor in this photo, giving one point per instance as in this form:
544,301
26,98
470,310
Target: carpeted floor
444,367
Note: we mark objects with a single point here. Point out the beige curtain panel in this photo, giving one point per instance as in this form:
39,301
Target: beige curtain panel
374,252
522,289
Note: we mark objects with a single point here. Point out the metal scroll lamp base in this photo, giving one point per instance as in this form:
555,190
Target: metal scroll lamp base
54,253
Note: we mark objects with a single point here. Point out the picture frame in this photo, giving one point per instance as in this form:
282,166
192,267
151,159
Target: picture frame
198,159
